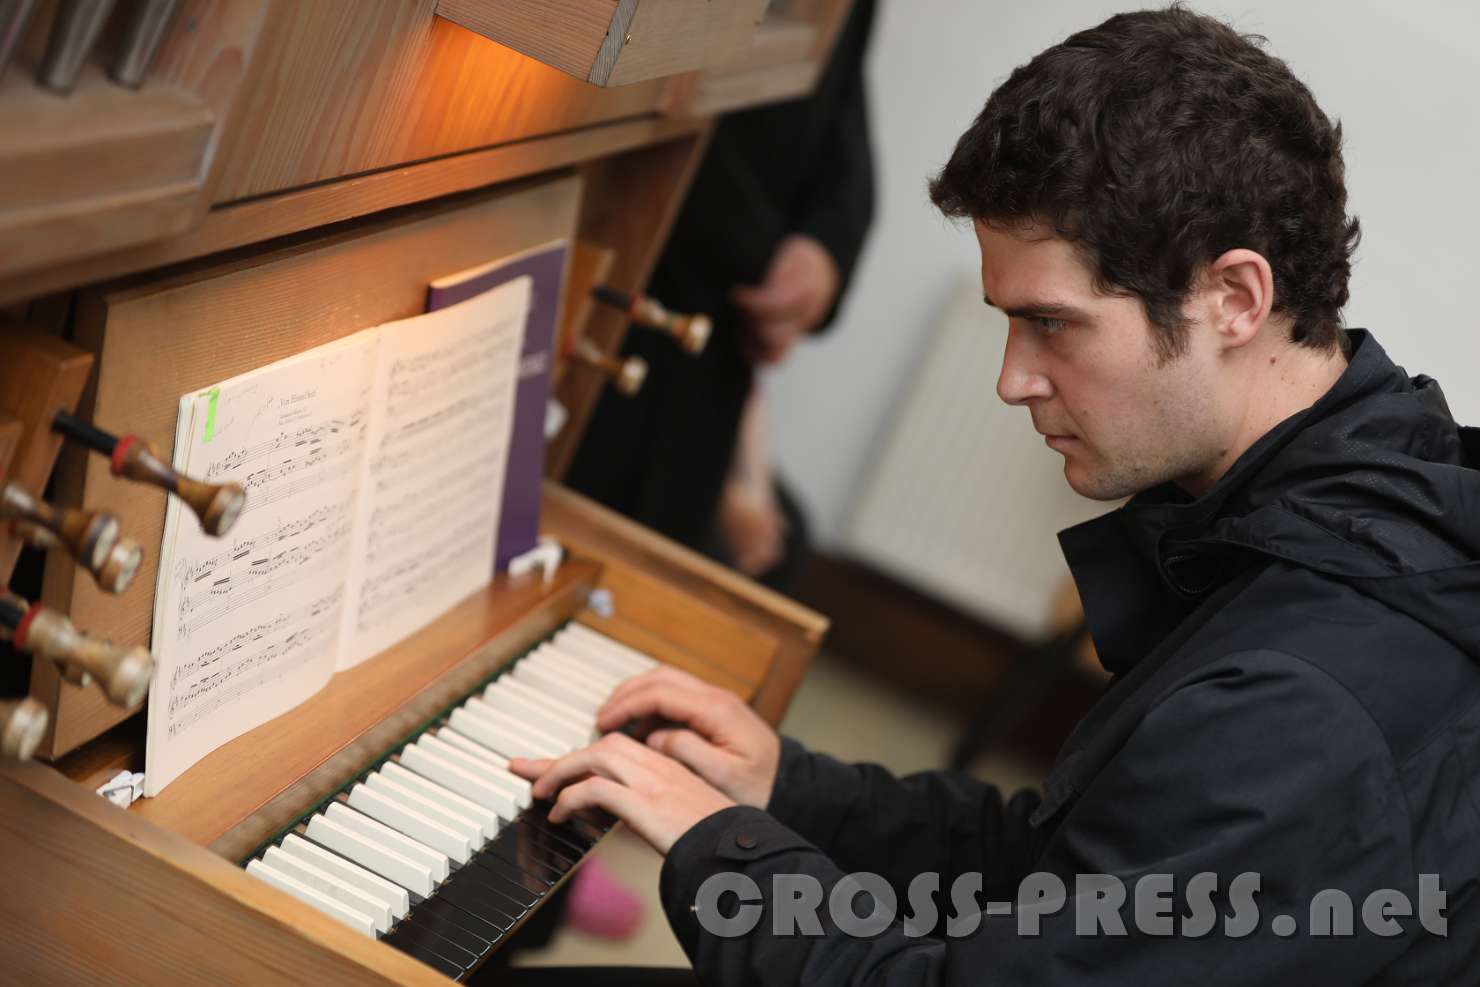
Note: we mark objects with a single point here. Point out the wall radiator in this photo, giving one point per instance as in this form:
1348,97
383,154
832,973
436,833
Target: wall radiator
964,500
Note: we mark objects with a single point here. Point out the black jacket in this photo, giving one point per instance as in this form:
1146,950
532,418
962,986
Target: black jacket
1297,694
802,166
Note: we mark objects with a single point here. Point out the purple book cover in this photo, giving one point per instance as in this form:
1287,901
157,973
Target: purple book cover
519,518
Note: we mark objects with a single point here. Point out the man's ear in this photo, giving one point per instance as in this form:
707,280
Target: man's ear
1239,295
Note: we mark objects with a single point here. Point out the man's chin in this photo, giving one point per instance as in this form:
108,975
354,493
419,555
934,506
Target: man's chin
1092,485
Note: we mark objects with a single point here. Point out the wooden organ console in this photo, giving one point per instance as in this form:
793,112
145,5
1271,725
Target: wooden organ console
191,190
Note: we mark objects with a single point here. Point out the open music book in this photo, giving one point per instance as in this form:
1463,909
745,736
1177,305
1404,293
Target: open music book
374,469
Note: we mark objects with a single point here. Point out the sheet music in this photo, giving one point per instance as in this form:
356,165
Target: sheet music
247,626
435,463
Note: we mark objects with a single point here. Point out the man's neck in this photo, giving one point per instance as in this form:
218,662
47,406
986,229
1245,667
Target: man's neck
1283,380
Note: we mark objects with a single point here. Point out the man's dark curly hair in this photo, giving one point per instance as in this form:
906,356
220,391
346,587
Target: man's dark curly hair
1156,142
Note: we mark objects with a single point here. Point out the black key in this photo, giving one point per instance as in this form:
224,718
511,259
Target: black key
450,931
495,886
511,846
416,952
532,835
586,828
563,836
478,901
449,912
522,887
422,943
599,818
577,831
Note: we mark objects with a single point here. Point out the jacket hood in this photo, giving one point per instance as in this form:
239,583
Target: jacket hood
1374,485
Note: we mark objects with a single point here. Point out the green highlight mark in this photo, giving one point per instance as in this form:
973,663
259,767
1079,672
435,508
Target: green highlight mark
214,394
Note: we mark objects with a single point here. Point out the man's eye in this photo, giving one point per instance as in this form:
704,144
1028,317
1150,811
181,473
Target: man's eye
1047,324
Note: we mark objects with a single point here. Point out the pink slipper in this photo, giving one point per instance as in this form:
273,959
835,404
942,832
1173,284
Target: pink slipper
600,905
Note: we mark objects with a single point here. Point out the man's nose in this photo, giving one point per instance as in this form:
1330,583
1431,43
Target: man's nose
1021,379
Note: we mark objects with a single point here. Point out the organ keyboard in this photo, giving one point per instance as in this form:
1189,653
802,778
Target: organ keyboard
436,848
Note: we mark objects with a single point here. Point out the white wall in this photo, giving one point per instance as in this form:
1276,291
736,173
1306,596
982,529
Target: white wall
1401,77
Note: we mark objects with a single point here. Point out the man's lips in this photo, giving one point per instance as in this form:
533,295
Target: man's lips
1055,441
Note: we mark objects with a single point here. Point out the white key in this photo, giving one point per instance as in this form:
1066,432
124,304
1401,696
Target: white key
393,896
487,819
596,654
372,854
465,826
591,671
543,680
401,817
624,653
500,736
462,782
355,920
528,733
577,675
599,687
565,711
634,657
450,736
399,842
495,776
538,717
329,886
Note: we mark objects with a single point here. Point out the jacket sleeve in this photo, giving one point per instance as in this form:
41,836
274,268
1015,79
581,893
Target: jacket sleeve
836,206
866,819
1257,765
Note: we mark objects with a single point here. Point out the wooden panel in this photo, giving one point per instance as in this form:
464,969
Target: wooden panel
724,92
291,212
630,203
133,139
565,34
614,42
713,633
784,60
97,895
105,166
349,88
159,340
669,36
10,440
708,665
235,780
590,265
595,531
39,376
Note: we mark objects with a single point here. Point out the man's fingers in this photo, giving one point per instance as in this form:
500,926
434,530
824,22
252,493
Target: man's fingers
693,752
612,757
530,767
665,677
664,700
593,793
663,673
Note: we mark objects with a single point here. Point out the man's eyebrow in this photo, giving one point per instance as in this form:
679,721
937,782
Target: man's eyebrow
1043,309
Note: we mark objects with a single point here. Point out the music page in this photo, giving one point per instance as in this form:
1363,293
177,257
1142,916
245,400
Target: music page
246,626
434,473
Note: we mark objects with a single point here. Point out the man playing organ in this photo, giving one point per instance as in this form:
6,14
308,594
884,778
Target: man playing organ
1286,601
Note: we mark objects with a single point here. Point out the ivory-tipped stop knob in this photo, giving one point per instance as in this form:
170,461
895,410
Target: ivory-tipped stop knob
118,570
693,333
22,726
127,682
631,375
224,507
